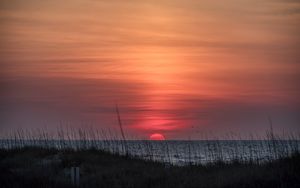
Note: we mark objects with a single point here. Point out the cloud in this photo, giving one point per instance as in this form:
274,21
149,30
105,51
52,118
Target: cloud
177,63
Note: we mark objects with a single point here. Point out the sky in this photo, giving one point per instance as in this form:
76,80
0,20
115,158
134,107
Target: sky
179,68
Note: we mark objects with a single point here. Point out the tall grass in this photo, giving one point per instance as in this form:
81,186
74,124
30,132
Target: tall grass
230,148
121,130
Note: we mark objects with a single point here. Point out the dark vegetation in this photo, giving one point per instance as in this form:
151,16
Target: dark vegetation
37,158
39,167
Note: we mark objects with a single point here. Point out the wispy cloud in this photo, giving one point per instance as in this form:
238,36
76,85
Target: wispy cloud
171,64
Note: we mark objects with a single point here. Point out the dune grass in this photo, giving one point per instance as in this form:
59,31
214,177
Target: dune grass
40,167
36,158
262,149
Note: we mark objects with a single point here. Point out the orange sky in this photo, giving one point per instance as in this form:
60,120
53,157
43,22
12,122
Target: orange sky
172,65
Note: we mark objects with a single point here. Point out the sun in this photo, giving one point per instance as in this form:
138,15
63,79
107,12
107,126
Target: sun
157,136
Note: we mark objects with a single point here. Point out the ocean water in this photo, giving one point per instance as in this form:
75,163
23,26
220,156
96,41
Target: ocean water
177,152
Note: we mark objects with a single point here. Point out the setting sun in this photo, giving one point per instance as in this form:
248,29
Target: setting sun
157,136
